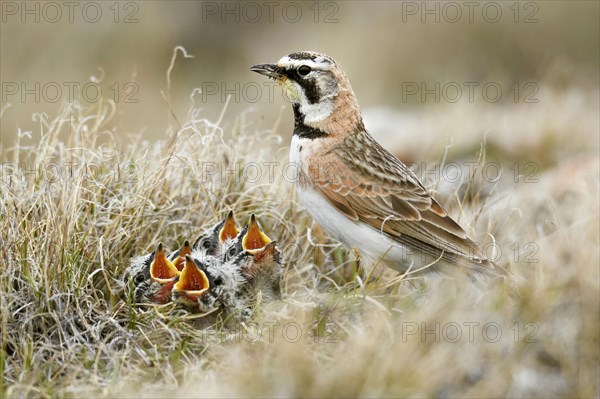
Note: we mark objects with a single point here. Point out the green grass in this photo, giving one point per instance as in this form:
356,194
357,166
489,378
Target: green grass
69,329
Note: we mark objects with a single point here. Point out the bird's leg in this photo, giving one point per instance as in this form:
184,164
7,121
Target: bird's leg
356,253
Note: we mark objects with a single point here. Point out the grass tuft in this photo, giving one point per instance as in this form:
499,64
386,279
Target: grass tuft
93,196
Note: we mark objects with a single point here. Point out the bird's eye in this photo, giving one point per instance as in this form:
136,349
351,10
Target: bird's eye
139,278
218,281
206,244
229,254
304,70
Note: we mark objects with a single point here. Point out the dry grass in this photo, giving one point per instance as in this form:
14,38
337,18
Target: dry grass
69,331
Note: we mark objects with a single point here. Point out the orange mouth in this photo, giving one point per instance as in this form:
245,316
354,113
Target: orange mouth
229,229
254,239
180,260
193,281
161,269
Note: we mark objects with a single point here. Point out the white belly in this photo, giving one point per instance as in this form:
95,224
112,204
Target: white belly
374,246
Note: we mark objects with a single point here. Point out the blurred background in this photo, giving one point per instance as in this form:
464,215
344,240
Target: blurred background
402,57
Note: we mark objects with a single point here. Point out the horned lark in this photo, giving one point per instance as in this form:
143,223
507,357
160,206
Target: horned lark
261,264
193,282
217,240
252,267
262,269
208,286
153,276
250,238
356,190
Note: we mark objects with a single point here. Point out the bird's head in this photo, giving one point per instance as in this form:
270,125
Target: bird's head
207,286
219,237
193,282
261,270
317,87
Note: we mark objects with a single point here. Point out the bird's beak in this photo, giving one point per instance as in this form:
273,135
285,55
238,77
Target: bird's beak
254,239
163,295
229,229
270,70
193,282
267,251
262,259
180,260
162,270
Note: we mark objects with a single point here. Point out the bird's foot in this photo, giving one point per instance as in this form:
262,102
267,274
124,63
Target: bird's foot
357,257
